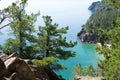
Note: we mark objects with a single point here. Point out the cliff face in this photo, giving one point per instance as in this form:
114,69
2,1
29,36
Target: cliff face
98,6
102,18
85,36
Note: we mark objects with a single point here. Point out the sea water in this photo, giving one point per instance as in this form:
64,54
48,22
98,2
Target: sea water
72,13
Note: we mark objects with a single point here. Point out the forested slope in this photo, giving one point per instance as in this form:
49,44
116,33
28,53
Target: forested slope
100,19
106,25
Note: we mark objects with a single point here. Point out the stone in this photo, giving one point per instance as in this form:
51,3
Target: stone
15,64
2,69
3,56
39,72
15,76
98,6
77,77
13,55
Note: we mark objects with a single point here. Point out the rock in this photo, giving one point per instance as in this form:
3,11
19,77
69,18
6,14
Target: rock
3,56
39,73
14,76
2,69
23,69
4,78
16,65
88,37
13,55
29,62
51,74
98,6
77,77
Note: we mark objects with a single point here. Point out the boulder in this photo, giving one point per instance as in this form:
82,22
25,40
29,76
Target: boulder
13,55
15,76
2,68
39,72
3,56
77,77
20,68
42,73
4,78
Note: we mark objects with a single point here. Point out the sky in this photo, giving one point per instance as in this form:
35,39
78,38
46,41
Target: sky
71,13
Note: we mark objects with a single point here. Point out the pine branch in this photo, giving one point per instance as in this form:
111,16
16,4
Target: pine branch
5,25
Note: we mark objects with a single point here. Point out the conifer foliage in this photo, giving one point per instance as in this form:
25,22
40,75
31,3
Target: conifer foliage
110,66
51,40
48,41
22,28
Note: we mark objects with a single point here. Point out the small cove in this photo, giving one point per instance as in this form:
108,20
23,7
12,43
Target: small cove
72,13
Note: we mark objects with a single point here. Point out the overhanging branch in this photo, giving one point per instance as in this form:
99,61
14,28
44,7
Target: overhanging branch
5,25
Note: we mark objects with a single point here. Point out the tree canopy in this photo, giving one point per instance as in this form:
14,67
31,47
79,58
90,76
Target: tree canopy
47,41
51,40
110,66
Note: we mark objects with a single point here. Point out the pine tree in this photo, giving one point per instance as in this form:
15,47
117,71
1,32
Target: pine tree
110,66
51,40
87,71
22,26
112,3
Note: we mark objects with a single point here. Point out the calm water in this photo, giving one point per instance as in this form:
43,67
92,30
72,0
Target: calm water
73,13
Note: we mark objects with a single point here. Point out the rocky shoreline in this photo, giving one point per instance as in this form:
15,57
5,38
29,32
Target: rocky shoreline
89,35
14,68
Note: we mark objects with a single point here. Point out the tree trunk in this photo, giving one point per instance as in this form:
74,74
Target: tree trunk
21,42
48,43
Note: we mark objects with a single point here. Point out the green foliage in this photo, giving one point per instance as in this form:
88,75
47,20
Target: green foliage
111,65
112,3
22,28
10,46
0,47
51,41
4,19
77,70
103,19
103,37
88,71
107,25
45,61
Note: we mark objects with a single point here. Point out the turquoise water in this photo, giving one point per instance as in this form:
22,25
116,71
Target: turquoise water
85,55
72,13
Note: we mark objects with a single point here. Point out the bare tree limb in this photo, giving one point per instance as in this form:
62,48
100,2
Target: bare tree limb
5,25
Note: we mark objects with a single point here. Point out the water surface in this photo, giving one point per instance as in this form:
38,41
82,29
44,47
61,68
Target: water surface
72,13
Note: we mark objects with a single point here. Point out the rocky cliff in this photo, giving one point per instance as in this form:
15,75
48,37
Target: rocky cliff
102,18
88,37
14,68
98,6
